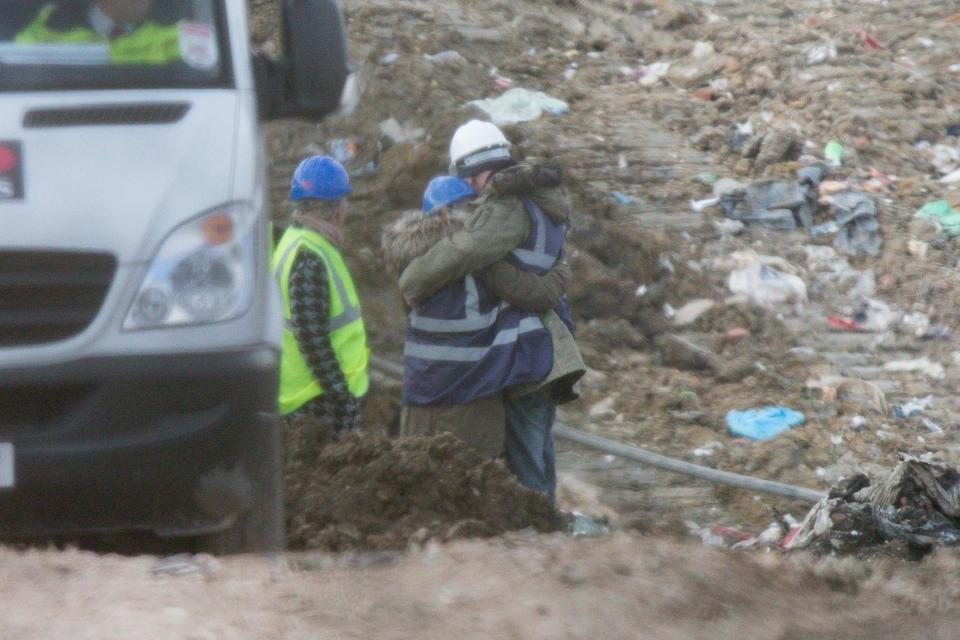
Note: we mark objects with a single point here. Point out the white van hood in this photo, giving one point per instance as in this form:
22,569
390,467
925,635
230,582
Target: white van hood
118,188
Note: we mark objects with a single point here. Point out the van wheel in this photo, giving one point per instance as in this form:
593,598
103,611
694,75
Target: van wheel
261,527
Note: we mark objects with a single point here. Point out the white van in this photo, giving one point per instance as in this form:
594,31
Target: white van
139,327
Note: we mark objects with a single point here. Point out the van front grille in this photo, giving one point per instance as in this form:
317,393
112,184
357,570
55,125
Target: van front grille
50,296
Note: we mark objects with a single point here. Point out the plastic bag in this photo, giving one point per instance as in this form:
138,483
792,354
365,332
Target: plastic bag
763,423
519,105
766,286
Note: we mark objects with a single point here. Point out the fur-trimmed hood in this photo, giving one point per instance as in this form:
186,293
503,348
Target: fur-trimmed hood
541,182
413,234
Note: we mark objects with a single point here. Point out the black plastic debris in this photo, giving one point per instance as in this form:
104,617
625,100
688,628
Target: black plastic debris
917,506
856,215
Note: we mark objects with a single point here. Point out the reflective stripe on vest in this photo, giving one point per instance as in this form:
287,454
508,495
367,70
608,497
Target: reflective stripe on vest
473,320
345,329
349,314
538,256
149,43
472,354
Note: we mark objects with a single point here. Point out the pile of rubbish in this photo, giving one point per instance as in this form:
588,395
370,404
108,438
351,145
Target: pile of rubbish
914,509
787,205
369,492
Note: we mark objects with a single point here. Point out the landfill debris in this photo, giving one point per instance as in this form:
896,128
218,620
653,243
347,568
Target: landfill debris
708,449
776,146
945,215
706,177
937,332
912,407
774,204
726,185
833,153
873,315
184,564
826,229
343,149
692,311
520,105
858,423
700,205
917,505
652,74
583,525
446,57
763,423
924,365
819,54
766,286
931,425
727,227
389,58
868,40
623,198
603,410
856,215
398,133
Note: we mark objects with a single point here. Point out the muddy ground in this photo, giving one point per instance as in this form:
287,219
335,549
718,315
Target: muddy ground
752,88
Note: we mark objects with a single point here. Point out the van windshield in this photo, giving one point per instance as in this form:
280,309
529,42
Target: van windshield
108,44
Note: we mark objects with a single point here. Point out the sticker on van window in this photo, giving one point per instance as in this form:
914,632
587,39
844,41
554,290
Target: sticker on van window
11,171
198,45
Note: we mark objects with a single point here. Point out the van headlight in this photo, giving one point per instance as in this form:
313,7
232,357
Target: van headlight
203,272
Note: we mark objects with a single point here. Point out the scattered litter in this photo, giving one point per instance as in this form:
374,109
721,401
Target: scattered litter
821,53
858,423
652,74
917,504
856,215
520,105
873,315
727,227
836,440
584,525
726,185
641,291
700,205
766,286
692,311
389,58
603,410
911,408
774,204
705,177
937,332
708,449
446,57
343,149
398,133
623,198
931,425
763,423
833,153
924,365
943,214
868,40
669,311
826,229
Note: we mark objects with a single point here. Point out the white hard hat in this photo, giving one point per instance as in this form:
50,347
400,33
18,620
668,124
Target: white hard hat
476,147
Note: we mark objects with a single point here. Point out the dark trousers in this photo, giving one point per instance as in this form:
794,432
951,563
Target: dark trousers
529,441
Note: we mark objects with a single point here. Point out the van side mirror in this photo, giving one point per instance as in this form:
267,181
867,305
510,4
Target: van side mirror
311,78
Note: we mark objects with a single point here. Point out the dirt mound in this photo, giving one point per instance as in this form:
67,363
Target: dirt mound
371,492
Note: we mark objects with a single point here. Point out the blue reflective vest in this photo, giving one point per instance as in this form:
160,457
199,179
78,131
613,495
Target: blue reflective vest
463,344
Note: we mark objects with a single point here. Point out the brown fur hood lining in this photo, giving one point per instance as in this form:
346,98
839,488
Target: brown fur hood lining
412,236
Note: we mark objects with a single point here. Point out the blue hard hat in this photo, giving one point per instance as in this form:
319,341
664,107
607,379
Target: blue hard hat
444,191
320,177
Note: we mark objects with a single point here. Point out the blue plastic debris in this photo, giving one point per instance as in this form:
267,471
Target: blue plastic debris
763,423
623,198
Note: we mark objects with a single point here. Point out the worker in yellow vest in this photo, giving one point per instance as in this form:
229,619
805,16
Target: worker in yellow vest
323,370
124,25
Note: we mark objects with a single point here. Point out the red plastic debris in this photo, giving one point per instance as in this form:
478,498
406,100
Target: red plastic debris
847,324
868,40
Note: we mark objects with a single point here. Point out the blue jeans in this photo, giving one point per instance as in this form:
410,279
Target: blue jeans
529,441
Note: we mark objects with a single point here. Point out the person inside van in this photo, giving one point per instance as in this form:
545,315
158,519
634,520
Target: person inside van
131,35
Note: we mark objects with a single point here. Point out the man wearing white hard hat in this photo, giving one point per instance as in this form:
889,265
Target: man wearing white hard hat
521,216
